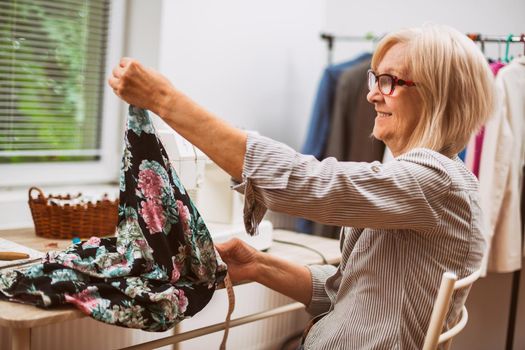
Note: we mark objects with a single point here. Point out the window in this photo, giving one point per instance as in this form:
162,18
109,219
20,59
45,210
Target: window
58,123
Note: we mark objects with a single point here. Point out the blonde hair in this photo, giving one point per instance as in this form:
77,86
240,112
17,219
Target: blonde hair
453,79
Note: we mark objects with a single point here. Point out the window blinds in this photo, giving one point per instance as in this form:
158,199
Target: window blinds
52,60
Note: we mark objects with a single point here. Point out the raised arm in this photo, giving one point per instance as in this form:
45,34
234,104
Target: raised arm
146,88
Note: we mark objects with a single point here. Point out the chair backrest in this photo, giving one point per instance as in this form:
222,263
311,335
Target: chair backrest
449,283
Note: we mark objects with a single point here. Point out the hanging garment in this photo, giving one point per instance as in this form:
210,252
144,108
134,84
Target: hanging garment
349,137
479,137
462,154
496,66
501,171
472,156
478,148
320,121
161,266
350,129
323,107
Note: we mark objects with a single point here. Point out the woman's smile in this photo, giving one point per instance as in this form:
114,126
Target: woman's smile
383,114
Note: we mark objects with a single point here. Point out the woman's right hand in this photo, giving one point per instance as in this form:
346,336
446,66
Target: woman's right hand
242,259
141,86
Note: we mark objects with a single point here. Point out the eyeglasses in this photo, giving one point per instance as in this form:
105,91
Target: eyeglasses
386,82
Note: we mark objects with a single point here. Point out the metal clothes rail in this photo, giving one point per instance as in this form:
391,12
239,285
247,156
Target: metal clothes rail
330,40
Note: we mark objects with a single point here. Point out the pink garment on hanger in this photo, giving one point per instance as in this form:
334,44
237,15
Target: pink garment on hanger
496,66
478,147
478,143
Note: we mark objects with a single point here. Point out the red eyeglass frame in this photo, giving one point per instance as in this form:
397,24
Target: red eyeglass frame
395,81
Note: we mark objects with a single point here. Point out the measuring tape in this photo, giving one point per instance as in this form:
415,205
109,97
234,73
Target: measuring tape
231,306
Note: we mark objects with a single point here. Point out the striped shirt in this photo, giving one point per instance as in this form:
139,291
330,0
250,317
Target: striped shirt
405,223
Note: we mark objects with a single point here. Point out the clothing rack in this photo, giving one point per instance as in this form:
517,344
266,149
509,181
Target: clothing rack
331,39
507,39
370,37
482,39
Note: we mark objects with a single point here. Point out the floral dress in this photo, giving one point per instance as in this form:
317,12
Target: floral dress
161,266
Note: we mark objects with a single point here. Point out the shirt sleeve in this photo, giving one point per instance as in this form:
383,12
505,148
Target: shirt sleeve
406,193
320,301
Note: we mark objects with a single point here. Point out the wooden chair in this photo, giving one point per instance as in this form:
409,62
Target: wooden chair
449,283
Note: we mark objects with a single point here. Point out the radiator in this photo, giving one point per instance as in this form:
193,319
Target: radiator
88,334
260,335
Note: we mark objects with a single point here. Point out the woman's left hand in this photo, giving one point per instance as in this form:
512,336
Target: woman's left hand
248,264
241,258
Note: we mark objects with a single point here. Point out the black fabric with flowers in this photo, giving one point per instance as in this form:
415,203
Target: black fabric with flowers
161,266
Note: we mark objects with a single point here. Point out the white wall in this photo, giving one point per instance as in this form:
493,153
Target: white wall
255,64
143,31
485,16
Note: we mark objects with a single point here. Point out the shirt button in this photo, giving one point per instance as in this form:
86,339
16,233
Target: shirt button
375,168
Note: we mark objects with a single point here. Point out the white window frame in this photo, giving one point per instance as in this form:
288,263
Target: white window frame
107,168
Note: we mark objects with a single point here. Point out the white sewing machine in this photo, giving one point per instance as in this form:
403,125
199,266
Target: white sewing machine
209,188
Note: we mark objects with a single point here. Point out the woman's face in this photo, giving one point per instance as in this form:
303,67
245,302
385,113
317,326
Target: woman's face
399,113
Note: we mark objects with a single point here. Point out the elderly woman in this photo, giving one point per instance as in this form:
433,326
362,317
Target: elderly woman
405,222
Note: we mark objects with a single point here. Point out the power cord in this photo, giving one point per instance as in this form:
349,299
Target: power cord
303,246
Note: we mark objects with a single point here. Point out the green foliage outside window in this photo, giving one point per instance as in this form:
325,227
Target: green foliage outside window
51,79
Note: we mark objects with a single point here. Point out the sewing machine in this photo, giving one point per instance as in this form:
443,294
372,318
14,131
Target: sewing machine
209,188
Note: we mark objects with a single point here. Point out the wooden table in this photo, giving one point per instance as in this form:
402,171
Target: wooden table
20,318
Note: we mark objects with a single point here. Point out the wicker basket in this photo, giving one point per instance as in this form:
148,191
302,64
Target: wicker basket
64,221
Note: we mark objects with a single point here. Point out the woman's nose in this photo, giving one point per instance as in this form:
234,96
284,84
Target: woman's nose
374,95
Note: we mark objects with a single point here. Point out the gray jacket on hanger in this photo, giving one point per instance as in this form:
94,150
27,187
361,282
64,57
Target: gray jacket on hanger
350,129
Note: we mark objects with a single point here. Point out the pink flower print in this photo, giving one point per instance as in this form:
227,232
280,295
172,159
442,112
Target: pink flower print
150,183
70,259
183,301
121,263
153,215
78,303
141,243
184,215
91,243
83,300
175,273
